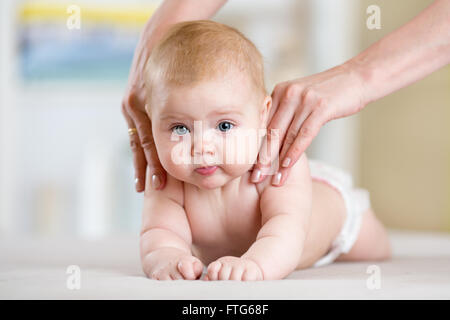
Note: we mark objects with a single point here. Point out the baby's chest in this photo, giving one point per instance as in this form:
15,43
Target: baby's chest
233,223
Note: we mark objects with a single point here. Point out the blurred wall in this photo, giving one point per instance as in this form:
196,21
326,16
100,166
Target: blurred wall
65,165
405,139
8,119
298,38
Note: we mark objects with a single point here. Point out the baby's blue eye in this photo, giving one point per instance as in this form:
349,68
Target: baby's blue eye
180,130
225,126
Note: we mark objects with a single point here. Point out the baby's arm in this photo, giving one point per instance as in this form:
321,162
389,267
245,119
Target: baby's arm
166,236
286,212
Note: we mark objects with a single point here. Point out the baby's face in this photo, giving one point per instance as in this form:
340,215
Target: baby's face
209,133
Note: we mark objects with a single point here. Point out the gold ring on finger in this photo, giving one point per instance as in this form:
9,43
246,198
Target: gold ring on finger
132,131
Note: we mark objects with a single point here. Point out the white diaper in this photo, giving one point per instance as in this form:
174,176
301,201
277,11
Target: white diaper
357,201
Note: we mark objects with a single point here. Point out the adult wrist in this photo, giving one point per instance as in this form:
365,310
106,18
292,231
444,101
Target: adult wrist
364,75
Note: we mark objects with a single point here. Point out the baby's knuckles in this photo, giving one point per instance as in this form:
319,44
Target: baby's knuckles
176,268
190,268
241,269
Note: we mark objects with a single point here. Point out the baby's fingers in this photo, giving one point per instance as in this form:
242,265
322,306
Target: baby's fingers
161,275
236,273
213,270
225,272
190,270
175,275
251,275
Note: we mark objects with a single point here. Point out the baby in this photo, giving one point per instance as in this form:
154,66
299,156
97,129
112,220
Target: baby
208,105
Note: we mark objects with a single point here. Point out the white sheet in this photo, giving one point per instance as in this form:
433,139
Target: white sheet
110,269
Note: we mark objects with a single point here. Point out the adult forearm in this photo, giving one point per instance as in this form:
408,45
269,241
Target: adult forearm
168,13
406,55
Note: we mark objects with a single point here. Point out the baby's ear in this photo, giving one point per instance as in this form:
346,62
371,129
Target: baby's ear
265,111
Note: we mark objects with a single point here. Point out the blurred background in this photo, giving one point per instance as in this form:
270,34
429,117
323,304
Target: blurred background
65,162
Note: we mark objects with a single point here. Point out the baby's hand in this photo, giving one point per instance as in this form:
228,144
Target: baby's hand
180,267
233,268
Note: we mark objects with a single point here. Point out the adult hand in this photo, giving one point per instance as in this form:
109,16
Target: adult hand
141,138
303,106
139,124
133,103
300,108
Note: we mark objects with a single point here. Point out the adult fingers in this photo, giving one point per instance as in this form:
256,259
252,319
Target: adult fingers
280,176
291,135
144,129
276,96
139,161
308,101
275,133
308,131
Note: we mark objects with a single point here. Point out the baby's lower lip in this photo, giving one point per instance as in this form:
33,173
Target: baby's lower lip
206,171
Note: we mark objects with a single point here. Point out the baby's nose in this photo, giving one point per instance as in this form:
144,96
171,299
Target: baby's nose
203,144
203,147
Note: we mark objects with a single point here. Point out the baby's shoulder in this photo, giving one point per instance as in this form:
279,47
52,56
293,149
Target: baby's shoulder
173,189
297,174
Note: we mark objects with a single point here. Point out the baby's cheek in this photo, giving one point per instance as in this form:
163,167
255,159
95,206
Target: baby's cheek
240,149
175,160
236,170
179,154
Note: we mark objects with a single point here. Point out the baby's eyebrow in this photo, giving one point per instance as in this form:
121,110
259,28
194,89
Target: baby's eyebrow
226,111
180,115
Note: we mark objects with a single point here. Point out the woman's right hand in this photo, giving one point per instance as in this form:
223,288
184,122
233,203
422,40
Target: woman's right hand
141,138
133,104
139,124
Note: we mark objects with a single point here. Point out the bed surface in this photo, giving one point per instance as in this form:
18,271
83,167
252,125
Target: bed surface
110,269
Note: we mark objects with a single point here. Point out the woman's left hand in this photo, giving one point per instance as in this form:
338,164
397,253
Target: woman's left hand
300,108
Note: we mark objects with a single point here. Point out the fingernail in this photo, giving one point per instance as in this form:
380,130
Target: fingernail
276,179
286,162
256,175
137,184
156,182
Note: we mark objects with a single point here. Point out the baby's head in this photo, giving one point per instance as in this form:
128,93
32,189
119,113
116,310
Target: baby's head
207,102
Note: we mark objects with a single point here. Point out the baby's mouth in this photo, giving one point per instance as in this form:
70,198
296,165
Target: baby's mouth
206,171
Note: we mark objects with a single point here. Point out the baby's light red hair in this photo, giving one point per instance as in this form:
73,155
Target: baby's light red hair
200,50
